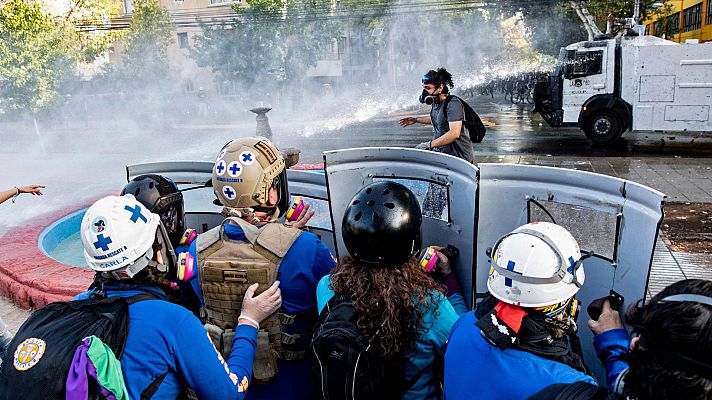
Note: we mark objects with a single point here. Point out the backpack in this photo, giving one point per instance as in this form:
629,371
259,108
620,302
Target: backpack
346,365
41,354
472,123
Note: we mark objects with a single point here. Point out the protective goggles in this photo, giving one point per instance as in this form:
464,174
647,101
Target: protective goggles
427,79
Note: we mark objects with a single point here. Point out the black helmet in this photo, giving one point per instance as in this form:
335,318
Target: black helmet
161,196
381,225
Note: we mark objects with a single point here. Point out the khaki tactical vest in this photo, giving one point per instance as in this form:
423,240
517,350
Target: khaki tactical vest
226,269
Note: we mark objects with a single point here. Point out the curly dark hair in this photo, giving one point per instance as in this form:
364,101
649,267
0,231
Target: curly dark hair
684,328
392,299
441,76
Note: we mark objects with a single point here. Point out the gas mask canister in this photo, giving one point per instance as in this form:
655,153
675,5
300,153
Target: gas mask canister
426,98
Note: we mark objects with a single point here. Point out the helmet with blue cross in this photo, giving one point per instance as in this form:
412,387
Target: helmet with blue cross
538,264
120,237
244,172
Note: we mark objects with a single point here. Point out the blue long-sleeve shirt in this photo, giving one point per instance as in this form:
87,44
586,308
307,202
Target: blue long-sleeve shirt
611,347
166,338
304,264
428,345
475,368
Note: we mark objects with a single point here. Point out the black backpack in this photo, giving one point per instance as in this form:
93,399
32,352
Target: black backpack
54,332
472,123
346,365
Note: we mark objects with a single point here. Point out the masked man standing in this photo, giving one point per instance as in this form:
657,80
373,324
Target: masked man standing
445,116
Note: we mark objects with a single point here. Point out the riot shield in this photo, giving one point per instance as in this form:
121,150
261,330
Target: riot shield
311,187
446,187
616,219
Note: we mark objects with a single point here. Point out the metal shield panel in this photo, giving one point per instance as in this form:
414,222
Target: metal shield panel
349,170
311,186
619,218
200,212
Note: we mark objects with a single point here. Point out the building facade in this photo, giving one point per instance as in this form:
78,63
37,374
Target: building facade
687,20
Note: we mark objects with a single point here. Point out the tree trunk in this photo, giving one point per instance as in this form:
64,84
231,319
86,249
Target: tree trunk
586,19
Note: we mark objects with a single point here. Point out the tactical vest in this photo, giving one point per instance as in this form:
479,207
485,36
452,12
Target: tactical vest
226,269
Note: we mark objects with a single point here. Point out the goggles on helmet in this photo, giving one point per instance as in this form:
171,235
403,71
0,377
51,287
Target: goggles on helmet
427,79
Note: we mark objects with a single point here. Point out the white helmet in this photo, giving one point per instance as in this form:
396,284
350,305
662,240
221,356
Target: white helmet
537,264
118,235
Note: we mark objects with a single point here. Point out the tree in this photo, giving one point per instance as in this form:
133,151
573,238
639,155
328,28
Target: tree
594,14
90,21
35,53
268,36
145,62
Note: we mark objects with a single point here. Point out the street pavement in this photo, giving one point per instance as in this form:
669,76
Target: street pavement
84,159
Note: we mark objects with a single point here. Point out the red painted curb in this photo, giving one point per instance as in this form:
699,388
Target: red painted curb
307,167
29,277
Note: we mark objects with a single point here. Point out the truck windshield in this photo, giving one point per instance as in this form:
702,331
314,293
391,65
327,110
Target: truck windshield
585,64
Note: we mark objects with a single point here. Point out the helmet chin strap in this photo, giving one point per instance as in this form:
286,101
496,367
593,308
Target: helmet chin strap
249,214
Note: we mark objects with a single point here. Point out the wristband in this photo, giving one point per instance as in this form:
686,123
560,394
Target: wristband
16,194
249,319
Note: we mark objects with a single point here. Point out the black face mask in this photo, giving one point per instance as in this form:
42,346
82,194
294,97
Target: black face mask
426,98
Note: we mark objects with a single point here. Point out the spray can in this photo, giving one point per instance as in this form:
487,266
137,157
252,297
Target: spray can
429,259
296,209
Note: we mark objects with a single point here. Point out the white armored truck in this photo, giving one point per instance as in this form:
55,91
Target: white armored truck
629,83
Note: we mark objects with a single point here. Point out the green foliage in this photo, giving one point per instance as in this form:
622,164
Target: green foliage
270,35
145,60
95,14
620,9
35,53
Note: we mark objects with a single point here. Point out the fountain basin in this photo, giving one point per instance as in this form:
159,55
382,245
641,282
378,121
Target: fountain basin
31,278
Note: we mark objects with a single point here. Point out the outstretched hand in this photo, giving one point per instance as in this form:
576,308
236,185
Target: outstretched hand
36,190
407,121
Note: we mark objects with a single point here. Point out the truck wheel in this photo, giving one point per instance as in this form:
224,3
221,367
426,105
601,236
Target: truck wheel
603,127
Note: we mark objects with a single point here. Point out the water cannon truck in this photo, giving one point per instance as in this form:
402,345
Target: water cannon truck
629,83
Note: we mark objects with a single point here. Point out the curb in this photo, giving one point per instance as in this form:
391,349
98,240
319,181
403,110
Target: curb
31,279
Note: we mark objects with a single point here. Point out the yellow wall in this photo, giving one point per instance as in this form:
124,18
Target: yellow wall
704,34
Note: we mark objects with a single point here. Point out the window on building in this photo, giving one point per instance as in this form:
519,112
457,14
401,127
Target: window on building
223,1
183,40
709,12
692,18
188,86
673,24
659,27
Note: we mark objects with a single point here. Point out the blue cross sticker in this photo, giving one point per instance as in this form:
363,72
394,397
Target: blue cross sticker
246,157
102,242
220,168
136,214
234,169
229,193
510,267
